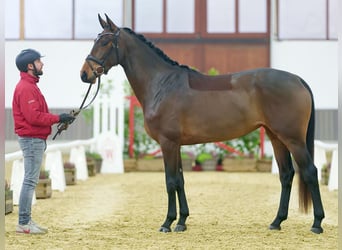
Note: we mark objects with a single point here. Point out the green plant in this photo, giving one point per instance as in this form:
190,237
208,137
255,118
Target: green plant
249,143
213,72
93,155
203,157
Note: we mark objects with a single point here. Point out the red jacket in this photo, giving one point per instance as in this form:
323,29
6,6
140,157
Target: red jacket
30,111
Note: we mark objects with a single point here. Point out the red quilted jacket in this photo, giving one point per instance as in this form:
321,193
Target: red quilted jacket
30,111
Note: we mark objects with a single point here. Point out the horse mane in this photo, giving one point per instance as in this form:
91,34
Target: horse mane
157,50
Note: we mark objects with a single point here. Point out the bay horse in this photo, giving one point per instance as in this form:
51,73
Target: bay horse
182,107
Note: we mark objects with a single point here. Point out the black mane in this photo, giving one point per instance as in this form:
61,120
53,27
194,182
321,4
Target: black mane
156,49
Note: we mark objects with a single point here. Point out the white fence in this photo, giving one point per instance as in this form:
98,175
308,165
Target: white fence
320,159
108,141
53,163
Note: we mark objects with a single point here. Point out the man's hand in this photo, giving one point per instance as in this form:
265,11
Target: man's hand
66,118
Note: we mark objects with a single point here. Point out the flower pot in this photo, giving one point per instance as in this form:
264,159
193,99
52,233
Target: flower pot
153,165
8,201
130,165
209,165
98,165
70,173
264,165
239,165
43,189
187,164
91,167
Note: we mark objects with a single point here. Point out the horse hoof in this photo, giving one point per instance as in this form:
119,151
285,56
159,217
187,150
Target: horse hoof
180,228
165,230
272,227
317,230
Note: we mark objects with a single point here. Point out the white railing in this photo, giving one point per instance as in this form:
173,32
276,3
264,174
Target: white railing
53,163
108,141
320,159
109,113
53,147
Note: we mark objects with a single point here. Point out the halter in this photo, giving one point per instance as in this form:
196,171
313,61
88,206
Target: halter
101,69
97,72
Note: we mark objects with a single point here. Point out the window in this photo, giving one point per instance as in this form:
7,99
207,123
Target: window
252,16
220,16
58,19
180,20
307,19
201,18
86,20
12,19
148,16
48,19
179,16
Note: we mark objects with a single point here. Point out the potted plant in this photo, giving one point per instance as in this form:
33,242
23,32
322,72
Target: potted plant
43,188
205,159
70,173
150,163
249,145
187,160
8,198
264,164
97,161
325,172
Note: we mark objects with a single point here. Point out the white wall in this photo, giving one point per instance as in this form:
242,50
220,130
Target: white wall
60,83
316,62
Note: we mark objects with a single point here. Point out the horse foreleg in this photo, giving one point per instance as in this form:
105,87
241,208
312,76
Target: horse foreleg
171,210
174,183
183,204
286,173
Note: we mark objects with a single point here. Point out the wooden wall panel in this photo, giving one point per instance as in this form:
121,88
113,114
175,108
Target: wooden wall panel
235,57
225,57
183,53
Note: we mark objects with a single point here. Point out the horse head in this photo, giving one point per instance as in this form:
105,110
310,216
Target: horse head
104,54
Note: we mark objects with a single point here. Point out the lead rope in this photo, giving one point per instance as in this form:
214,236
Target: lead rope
64,125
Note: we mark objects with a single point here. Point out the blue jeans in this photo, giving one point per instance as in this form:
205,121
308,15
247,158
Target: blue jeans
33,151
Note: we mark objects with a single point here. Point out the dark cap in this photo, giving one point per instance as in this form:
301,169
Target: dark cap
26,57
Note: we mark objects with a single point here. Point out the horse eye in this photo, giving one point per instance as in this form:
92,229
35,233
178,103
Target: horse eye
104,43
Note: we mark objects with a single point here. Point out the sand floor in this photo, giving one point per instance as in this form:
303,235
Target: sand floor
125,211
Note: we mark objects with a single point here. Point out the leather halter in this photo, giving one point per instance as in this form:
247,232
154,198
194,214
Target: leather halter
101,69
97,72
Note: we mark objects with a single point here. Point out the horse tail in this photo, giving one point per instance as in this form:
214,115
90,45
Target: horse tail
304,193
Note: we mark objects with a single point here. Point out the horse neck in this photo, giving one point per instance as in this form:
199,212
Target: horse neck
142,66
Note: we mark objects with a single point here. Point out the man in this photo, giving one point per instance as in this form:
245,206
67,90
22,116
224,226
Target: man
32,124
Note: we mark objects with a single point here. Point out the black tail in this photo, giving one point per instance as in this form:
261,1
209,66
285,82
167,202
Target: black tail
304,194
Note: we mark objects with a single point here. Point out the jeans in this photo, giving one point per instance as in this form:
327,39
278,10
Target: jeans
33,151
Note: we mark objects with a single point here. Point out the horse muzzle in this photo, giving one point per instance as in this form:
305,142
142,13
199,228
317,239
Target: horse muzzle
89,75
84,77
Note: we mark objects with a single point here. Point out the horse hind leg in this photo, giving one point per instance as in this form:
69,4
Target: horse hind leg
286,173
309,187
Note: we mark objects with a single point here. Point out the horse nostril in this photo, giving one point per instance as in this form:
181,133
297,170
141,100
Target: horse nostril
84,76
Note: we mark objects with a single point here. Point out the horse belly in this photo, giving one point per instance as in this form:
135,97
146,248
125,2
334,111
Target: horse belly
218,124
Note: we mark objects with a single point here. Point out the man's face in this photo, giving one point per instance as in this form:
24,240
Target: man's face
36,67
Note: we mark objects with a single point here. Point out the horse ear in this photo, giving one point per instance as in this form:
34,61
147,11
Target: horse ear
111,24
102,22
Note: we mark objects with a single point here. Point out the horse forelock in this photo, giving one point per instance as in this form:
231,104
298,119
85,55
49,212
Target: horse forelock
157,50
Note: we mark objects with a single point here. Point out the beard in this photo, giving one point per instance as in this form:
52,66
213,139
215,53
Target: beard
39,72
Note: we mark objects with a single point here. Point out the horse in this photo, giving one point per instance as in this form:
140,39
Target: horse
181,106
